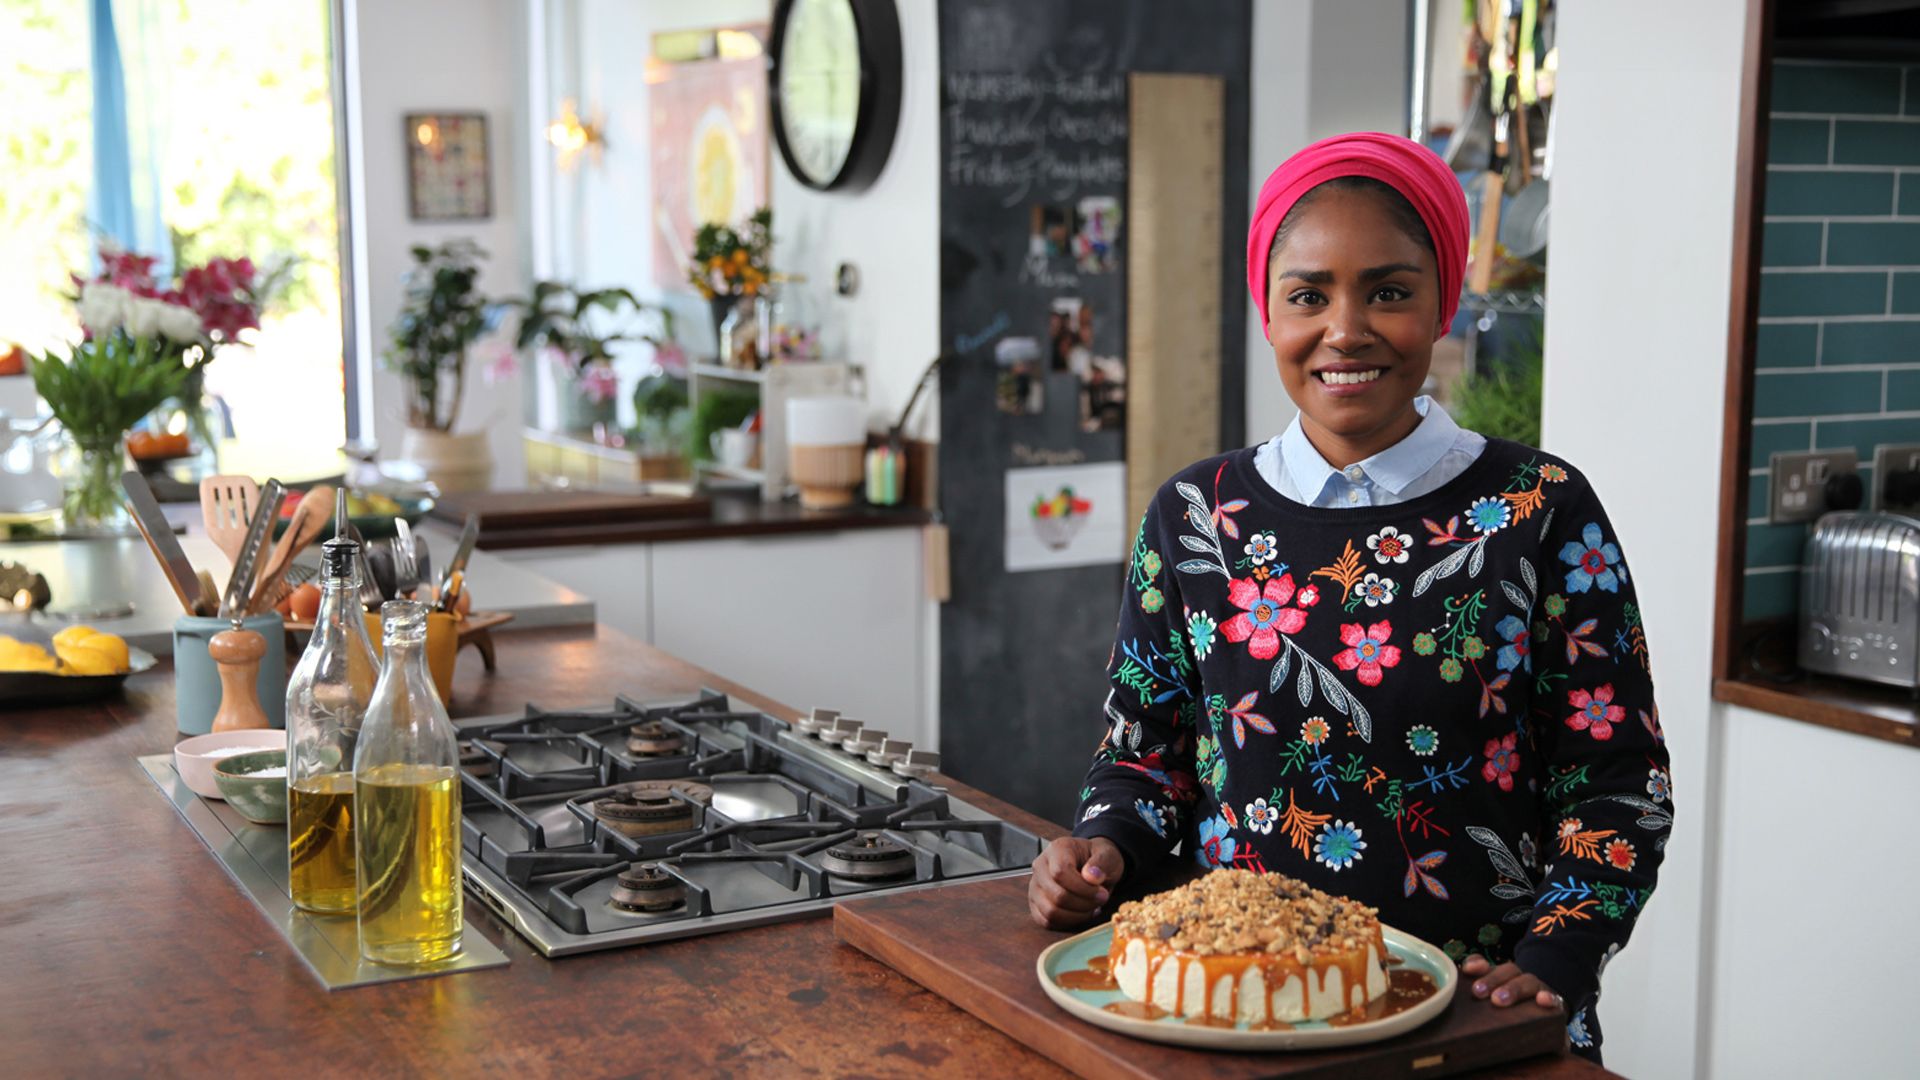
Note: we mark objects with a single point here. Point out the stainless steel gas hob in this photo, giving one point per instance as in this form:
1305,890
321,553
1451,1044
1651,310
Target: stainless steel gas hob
643,822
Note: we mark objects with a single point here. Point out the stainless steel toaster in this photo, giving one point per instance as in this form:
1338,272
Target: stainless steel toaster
1860,598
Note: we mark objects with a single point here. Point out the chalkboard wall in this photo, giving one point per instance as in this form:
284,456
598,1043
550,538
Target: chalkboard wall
1033,131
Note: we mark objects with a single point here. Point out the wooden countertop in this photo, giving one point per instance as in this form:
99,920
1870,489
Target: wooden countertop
733,515
128,951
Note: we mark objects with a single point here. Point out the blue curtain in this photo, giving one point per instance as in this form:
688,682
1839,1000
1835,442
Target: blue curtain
125,200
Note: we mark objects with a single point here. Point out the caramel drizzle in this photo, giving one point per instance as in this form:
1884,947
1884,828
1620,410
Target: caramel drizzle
1353,971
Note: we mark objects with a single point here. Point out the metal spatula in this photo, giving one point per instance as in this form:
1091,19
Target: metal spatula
226,507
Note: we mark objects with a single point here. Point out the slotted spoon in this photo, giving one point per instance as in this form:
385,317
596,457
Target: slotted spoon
226,507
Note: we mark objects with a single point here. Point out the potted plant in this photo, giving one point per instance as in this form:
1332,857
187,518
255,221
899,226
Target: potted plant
97,392
661,411
442,318
574,332
729,268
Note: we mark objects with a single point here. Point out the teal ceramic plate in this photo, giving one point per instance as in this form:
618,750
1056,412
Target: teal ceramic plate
1090,1005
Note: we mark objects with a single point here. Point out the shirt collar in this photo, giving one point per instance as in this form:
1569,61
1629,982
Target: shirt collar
1393,468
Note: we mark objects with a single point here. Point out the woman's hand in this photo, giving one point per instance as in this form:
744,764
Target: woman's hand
1070,880
1507,983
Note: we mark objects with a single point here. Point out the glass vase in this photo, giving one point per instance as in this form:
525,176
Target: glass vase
90,477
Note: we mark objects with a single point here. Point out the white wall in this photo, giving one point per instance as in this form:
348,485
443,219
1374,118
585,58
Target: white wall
428,56
1635,362
603,233
1320,67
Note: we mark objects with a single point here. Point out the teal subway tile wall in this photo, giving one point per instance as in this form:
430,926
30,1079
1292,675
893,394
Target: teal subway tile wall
1837,353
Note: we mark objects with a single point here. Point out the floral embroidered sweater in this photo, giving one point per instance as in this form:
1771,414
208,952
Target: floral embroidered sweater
1441,707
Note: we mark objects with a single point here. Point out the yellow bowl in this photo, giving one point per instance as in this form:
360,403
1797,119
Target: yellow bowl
443,644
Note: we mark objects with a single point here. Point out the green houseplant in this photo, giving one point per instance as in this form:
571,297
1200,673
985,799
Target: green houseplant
574,331
1503,402
442,316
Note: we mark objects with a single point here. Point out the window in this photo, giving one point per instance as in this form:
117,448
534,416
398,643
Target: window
231,127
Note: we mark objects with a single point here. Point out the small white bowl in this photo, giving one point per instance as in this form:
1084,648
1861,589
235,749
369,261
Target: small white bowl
193,758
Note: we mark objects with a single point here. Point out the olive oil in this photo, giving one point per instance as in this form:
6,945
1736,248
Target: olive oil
409,863
406,805
320,849
327,699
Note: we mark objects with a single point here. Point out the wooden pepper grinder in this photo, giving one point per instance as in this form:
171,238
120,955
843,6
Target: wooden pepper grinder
238,652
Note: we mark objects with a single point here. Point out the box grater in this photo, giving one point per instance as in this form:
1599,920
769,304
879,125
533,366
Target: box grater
1860,598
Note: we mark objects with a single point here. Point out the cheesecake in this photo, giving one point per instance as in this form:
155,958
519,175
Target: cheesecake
1236,946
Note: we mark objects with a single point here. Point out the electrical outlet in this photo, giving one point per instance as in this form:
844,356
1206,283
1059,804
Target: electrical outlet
1799,488
1889,460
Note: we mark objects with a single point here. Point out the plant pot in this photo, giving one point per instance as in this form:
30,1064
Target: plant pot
453,462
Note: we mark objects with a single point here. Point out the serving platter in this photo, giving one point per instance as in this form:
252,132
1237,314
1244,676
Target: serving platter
46,688
1075,954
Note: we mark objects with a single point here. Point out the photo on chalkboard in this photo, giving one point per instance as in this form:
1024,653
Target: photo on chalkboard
1096,234
1066,515
1102,380
1020,386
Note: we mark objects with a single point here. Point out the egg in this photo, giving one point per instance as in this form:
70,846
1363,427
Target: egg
304,604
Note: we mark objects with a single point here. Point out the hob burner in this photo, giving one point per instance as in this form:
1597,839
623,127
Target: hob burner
650,807
652,738
645,888
868,857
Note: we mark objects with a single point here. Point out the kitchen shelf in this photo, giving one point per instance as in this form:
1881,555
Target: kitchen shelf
1878,712
733,472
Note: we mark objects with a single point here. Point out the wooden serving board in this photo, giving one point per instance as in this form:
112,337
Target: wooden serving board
975,945
502,511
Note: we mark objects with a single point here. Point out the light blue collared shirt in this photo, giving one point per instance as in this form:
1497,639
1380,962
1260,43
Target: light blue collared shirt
1435,452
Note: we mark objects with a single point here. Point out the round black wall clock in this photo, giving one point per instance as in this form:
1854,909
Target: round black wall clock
833,84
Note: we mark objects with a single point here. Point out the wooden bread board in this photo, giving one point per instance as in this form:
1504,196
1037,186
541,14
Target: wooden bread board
975,945
503,511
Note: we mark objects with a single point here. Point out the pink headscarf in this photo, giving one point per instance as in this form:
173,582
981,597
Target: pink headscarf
1409,168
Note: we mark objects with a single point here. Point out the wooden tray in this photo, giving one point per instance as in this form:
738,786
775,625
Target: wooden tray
975,945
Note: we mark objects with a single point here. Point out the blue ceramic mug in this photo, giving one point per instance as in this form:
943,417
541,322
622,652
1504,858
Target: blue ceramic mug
197,678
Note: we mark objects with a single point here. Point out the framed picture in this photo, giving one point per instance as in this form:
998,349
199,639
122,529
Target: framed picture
709,151
448,175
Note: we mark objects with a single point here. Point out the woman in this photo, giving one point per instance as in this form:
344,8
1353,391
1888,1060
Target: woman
1381,654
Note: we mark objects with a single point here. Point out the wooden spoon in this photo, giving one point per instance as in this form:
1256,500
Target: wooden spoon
308,520
226,506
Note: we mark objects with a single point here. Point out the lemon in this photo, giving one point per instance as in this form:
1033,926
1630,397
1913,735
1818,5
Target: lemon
86,651
20,656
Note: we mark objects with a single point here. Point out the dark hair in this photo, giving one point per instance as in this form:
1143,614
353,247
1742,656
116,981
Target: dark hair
1403,214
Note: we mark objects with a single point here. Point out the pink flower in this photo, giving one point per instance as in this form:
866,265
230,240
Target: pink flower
599,383
1367,651
1597,713
497,360
1264,615
671,357
1309,596
1502,760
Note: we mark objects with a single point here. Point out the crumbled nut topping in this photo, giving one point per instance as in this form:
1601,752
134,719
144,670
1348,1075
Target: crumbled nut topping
1239,911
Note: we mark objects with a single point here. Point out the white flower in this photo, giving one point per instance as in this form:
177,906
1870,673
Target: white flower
1261,548
103,307
143,317
1389,545
179,323
1095,811
1377,590
1260,816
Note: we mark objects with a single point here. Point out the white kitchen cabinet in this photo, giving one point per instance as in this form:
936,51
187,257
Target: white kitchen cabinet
618,577
837,620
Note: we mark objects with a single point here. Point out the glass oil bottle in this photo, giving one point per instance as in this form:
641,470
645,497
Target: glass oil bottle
327,699
406,805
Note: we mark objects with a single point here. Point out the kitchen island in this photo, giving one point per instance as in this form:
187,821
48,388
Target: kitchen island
128,951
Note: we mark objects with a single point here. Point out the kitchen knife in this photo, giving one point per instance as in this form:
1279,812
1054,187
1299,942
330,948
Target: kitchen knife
234,604
159,535
461,553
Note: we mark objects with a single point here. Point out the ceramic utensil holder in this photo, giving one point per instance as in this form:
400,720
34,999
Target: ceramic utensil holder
827,437
197,677
443,644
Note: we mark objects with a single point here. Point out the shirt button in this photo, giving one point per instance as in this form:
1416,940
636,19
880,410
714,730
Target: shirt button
1354,472
1353,496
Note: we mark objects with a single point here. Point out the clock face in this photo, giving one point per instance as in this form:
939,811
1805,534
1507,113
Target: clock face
819,87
